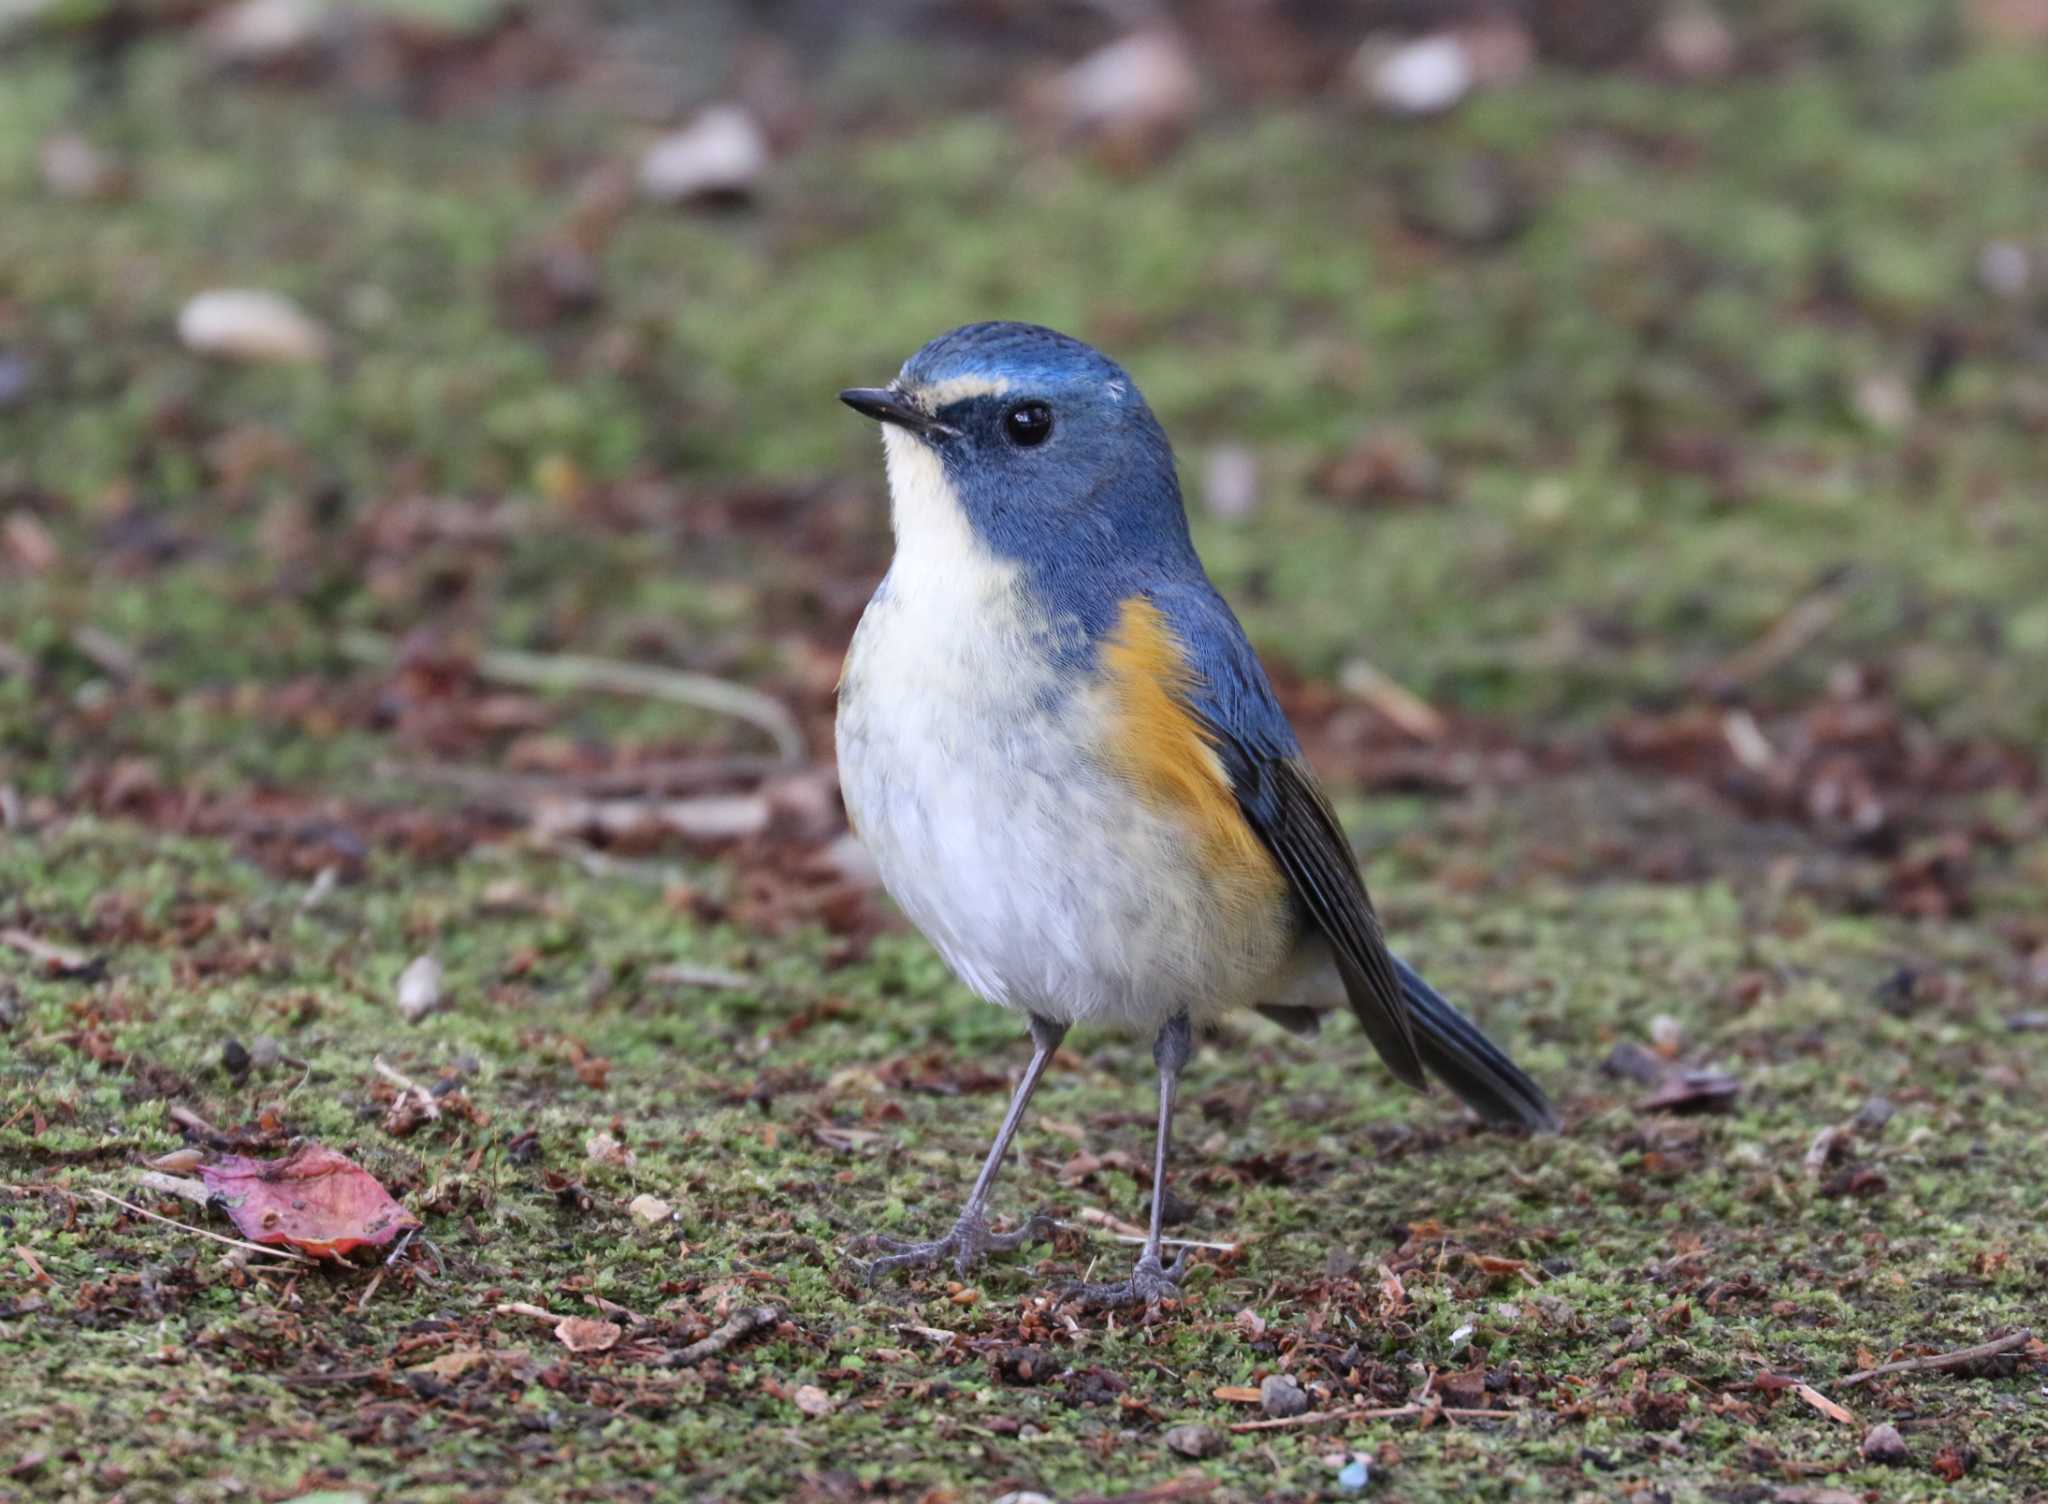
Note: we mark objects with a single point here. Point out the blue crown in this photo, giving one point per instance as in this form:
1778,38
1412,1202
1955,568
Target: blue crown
1027,354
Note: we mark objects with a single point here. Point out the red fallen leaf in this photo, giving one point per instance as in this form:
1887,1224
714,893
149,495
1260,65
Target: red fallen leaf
314,1200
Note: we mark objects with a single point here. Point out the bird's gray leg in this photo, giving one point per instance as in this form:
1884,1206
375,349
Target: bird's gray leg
1151,1280
970,1237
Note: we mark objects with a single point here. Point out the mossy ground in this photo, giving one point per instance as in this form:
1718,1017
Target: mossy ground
1654,414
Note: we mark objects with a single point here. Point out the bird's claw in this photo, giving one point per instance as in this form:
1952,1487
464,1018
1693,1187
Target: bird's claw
1150,1283
965,1244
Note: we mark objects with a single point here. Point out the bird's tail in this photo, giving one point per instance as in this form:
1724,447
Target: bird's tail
1469,1063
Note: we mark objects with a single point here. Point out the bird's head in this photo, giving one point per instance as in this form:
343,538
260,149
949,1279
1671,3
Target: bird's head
1040,445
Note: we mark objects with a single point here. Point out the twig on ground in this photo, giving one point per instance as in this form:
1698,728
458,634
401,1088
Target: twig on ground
105,651
1387,1412
597,864
412,1235
518,790
1120,1231
569,672
37,1273
191,1190
406,1084
59,958
1779,643
1823,1404
1954,1359
742,1324
1393,700
198,1232
527,1309
197,1127
320,889
350,1376
683,974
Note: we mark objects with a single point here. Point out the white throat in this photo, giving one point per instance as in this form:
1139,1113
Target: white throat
933,534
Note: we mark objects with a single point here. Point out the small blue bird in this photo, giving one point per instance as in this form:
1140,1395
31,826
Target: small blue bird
1071,770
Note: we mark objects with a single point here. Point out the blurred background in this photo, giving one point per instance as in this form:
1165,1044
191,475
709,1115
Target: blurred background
428,541
1559,384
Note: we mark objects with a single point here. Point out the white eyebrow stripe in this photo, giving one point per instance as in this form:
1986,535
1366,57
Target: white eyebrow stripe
960,388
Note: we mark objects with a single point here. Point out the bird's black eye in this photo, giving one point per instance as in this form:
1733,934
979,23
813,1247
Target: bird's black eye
1028,424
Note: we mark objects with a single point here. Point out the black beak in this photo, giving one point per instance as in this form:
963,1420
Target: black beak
886,405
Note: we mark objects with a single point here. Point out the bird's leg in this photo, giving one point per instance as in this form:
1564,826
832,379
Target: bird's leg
970,1237
1151,1280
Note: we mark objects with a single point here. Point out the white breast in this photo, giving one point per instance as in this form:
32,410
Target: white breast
1044,883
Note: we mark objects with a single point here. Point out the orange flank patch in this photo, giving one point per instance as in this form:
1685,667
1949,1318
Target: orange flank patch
1160,746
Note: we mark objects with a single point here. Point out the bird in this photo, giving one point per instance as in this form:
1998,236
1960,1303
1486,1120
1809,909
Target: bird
1071,771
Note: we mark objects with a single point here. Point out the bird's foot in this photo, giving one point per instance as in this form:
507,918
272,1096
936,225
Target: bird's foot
1150,1283
964,1245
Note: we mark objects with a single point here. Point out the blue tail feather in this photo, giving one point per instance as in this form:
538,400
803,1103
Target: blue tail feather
1469,1063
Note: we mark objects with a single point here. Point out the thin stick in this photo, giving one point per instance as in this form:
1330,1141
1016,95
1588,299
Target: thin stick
406,1083
60,957
671,776
1112,1228
1781,641
597,864
527,1309
571,672
37,1272
1955,1359
1393,1412
198,1127
742,1323
1394,700
352,1376
683,974
197,1232
192,1190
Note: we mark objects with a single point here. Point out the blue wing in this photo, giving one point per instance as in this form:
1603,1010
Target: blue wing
1284,804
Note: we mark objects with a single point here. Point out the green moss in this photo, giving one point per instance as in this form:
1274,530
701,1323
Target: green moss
1694,1252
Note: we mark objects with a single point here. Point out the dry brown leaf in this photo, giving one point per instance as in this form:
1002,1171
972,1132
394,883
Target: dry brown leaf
1236,1394
451,1366
813,1401
586,1334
